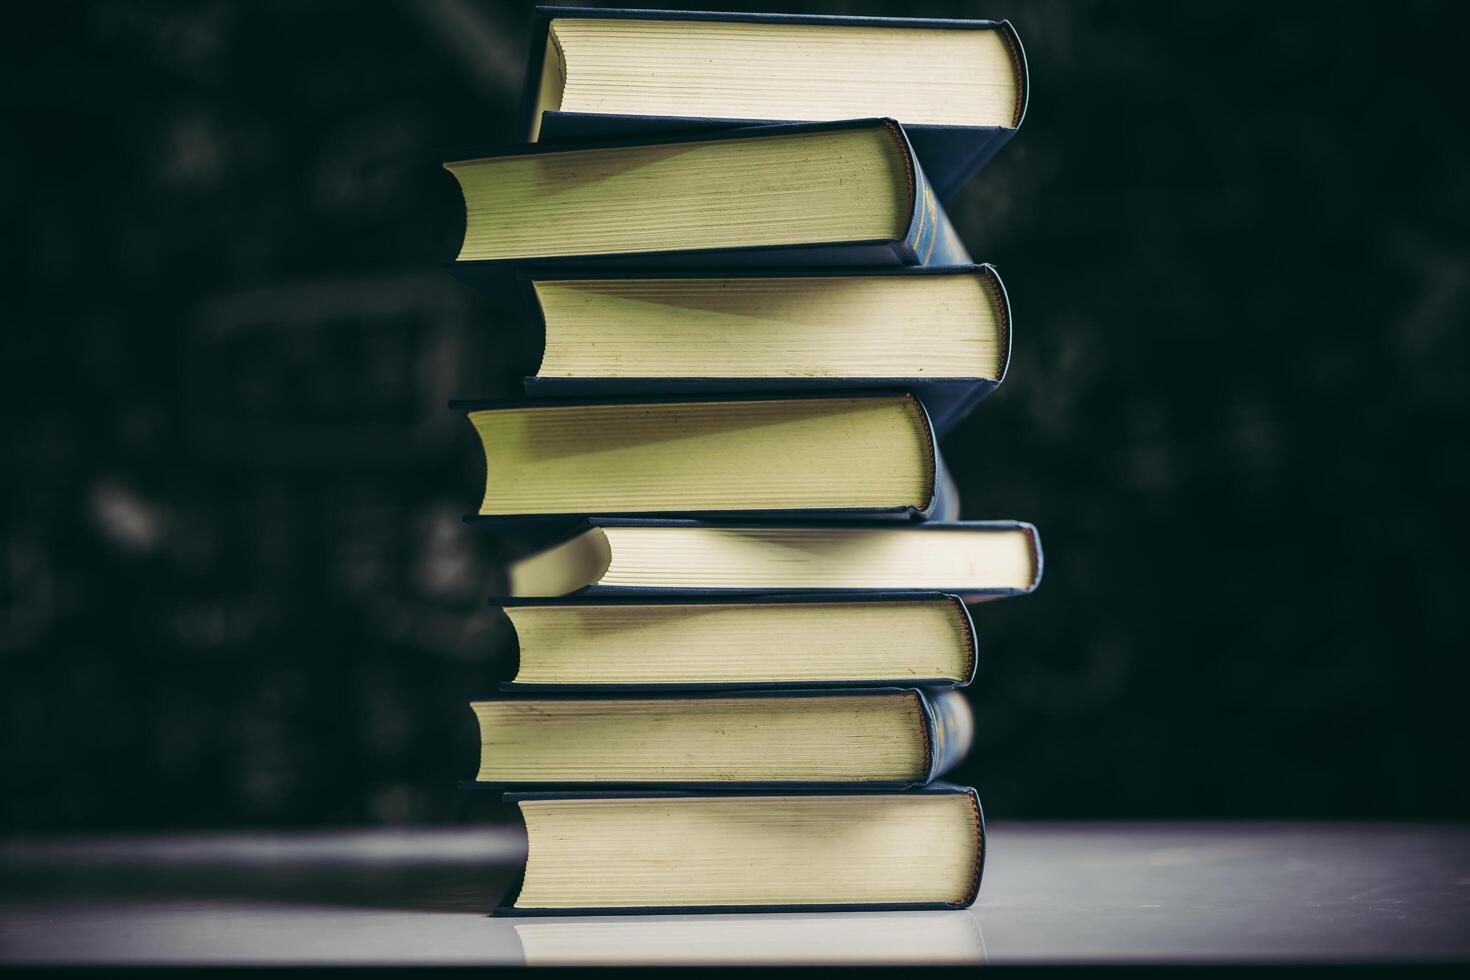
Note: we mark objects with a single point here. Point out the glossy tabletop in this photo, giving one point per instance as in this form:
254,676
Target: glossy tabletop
1052,893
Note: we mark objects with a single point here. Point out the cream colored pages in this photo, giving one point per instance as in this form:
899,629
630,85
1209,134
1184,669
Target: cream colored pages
734,70
832,186
813,557
690,456
841,738
948,326
742,642
750,851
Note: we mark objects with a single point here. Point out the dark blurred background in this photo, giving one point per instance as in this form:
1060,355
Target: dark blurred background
234,587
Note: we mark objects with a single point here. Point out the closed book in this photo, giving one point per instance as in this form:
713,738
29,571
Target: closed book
848,193
857,454
959,86
843,848
943,334
639,558
714,642
890,737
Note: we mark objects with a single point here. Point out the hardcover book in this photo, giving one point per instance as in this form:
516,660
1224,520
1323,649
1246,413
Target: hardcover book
892,737
847,454
958,86
849,849
849,193
603,557
767,641
943,334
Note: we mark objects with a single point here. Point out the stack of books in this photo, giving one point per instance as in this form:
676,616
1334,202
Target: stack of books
740,600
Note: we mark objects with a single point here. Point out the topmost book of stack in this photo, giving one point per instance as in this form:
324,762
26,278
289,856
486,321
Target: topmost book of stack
959,87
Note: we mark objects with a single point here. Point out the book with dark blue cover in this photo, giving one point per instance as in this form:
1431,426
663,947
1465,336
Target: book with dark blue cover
950,154
528,540
849,598
942,503
508,908
930,238
948,729
947,400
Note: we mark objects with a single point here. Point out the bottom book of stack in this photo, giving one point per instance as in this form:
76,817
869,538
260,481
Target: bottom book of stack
684,851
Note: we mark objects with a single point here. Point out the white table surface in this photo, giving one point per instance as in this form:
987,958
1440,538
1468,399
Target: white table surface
1279,893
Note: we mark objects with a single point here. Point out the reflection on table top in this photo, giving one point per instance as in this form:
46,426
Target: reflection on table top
1052,893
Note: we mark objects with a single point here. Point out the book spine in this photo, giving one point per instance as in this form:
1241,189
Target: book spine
1003,313
947,248
1022,70
946,505
1036,552
971,636
932,238
954,410
938,476
531,82
952,729
983,846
